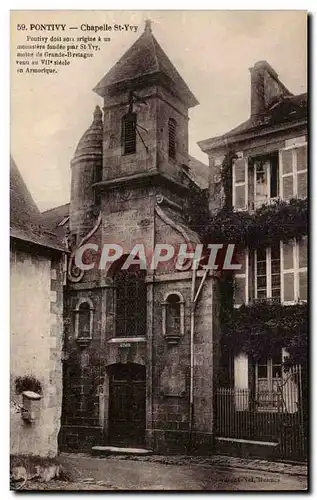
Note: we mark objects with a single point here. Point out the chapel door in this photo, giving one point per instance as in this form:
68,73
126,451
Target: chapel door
127,405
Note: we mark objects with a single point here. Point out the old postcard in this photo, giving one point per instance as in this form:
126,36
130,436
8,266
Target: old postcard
158,200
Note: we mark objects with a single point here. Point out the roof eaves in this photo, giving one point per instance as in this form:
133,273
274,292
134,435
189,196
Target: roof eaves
224,140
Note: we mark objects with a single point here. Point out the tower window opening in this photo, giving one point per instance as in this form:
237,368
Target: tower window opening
129,133
172,138
130,303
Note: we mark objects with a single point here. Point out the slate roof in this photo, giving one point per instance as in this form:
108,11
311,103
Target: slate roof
26,221
57,219
289,109
145,60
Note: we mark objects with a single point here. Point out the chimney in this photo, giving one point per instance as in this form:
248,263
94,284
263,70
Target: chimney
258,101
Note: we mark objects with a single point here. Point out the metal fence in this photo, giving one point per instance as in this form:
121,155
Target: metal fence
274,416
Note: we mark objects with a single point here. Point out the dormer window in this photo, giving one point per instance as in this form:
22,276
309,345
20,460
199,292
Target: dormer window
172,138
129,133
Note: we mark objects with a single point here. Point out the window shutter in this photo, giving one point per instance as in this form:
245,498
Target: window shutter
301,170
240,183
288,271
241,381
172,138
129,133
241,279
302,269
287,173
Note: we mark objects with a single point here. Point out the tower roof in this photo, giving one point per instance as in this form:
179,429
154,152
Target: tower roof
91,141
145,62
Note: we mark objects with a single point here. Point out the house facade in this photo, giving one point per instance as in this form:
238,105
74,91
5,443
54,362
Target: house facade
36,320
258,184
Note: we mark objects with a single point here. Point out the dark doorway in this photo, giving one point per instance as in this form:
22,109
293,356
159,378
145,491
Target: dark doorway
127,405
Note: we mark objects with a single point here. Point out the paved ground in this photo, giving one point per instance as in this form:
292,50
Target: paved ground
177,473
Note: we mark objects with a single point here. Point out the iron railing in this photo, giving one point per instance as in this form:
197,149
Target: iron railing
273,416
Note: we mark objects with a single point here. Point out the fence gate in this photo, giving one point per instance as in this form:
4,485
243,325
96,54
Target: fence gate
277,416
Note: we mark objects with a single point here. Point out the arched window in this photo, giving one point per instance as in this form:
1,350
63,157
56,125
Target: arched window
173,317
129,133
130,308
172,138
84,319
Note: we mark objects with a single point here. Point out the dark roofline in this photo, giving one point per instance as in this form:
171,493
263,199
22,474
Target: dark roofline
40,241
216,142
249,128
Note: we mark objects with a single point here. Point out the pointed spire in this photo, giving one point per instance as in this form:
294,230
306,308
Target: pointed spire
97,115
147,27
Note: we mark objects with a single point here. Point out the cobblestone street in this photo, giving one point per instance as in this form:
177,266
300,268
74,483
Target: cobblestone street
218,473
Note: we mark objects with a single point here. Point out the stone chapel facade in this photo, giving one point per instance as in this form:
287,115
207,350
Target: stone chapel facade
133,374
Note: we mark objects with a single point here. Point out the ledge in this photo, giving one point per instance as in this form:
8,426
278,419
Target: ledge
123,340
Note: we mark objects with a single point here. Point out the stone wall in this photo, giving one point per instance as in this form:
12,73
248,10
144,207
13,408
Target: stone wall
171,371
36,346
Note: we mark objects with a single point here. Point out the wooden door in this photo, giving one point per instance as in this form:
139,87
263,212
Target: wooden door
127,405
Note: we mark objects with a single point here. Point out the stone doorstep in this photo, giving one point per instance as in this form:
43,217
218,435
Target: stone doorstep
111,450
247,441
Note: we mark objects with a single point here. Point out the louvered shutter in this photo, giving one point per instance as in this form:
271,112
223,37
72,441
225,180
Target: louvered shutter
240,183
301,170
129,133
172,138
287,173
288,271
241,279
302,269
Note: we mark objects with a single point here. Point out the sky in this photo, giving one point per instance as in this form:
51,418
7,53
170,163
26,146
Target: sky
212,50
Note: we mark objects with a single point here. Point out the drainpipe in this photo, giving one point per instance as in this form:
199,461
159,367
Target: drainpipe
191,382
194,299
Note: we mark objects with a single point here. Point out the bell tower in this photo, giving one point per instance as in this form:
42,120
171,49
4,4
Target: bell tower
146,104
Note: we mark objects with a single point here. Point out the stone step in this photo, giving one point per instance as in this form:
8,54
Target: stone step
247,448
116,450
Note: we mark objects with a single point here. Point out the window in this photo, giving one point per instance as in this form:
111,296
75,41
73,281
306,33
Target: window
172,138
259,179
84,319
268,383
293,160
173,317
265,172
271,386
129,133
277,273
294,270
267,273
130,308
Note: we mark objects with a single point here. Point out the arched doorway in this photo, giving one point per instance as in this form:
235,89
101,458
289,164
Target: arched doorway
126,405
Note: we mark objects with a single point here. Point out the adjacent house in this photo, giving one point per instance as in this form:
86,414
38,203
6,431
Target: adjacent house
36,296
258,193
